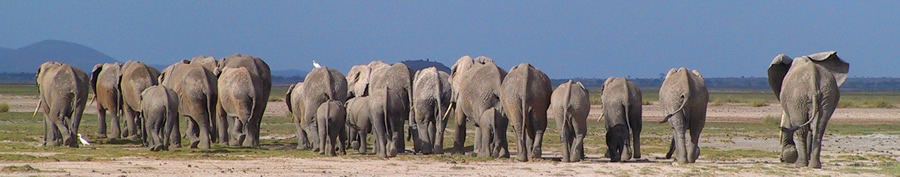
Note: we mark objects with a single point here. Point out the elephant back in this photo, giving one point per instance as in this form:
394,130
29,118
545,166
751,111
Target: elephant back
578,101
255,65
683,86
136,77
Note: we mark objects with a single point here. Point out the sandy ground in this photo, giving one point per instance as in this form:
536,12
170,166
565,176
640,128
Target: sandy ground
650,165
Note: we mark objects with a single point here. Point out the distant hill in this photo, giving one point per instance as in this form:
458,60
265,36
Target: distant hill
28,58
417,65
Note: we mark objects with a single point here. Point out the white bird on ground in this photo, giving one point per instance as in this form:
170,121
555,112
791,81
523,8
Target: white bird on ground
316,64
83,141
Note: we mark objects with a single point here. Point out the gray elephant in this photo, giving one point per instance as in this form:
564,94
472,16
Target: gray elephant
621,101
382,76
570,106
331,119
683,97
238,97
258,69
320,85
479,91
525,97
63,93
430,100
359,120
105,83
159,109
197,92
136,76
807,87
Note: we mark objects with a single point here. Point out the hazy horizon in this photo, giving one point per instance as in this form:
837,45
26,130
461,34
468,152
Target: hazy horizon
588,39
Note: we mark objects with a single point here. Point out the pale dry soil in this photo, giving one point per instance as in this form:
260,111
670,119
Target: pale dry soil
651,164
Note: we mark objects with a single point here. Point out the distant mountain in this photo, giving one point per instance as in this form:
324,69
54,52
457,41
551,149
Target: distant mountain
416,65
28,58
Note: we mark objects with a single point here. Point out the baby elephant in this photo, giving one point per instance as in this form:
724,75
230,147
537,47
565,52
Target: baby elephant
159,107
494,143
570,105
330,120
622,111
359,120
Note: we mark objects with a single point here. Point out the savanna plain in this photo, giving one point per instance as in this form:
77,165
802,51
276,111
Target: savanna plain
740,139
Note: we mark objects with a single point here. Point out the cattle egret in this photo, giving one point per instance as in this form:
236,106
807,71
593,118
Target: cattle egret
316,64
83,141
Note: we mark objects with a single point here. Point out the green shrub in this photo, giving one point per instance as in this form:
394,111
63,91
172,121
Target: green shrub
758,103
4,107
881,103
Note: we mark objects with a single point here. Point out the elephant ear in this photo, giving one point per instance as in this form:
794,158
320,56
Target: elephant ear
697,73
671,71
95,72
287,98
777,70
608,80
833,63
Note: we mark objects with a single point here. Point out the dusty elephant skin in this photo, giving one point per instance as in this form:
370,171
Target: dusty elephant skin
684,98
525,96
395,81
63,95
197,94
807,87
136,76
621,101
430,100
319,86
331,118
258,69
159,109
479,91
105,79
359,120
238,98
570,105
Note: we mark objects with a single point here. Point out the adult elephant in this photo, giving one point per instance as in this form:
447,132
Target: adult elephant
63,93
136,77
258,69
320,85
238,97
479,91
431,97
160,113
683,97
525,97
197,94
397,80
570,105
621,101
105,79
807,87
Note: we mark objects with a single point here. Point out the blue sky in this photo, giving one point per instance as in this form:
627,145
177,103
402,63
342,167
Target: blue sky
570,39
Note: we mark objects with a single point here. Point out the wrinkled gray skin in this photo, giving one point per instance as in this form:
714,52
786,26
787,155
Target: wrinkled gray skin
398,78
493,134
359,120
569,106
136,76
621,101
320,85
526,97
197,92
63,93
105,83
258,69
238,97
430,100
683,97
479,91
159,109
331,120
807,87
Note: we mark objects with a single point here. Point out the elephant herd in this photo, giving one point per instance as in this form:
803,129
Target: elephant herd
223,102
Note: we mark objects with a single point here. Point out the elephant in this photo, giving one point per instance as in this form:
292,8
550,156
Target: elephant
431,97
570,106
398,78
238,99
331,118
808,89
621,102
493,127
197,92
105,79
478,91
63,93
159,109
525,97
136,76
684,97
258,69
320,85
359,120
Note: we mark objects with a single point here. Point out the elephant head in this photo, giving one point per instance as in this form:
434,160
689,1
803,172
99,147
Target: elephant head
358,80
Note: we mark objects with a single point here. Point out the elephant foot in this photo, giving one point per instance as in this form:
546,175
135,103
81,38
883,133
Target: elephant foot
101,135
801,164
815,164
522,158
156,148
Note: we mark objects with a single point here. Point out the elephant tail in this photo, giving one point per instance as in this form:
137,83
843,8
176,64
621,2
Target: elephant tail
679,110
816,105
565,110
387,123
627,108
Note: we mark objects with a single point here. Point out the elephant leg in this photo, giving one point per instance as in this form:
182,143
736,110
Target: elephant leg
130,115
302,141
101,123
222,123
53,135
802,140
818,131
564,140
68,137
538,143
205,132
380,137
578,144
151,133
251,136
694,148
529,140
192,132
145,141
116,123
521,143
485,139
399,146
323,136
460,139
362,141
439,136
236,131
424,140
171,130
314,139
502,144
679,130
636,142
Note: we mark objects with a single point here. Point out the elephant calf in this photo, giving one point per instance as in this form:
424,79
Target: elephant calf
159,107
622,111
359,120
683,97
493,136
330,119
570,105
